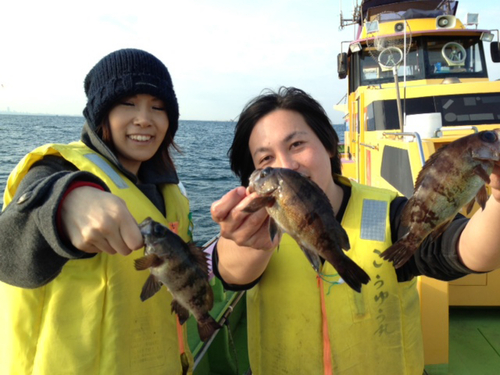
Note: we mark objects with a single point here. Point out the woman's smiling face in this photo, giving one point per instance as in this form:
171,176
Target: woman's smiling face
138,126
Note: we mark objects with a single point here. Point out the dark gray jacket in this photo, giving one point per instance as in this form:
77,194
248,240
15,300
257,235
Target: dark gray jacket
32,252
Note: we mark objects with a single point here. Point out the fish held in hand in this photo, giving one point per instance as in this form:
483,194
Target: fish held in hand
299,207
454,176
183,269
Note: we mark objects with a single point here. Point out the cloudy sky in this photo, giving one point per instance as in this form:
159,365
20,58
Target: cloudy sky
220,53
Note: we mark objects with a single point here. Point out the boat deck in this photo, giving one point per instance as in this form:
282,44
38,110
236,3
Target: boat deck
474,346
474,342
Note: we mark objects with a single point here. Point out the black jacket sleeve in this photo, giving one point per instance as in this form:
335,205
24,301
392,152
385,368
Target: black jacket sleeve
31,250
437,259
233,287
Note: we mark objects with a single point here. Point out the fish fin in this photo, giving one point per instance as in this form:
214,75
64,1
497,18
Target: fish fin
180,310
200,256
479,170
150,288
470,206
481,197
344,239
184,363
258,203
313,257
440,229
148,261
351,273
273,228
401,251
207,326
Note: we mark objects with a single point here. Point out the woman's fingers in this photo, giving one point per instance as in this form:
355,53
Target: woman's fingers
97,221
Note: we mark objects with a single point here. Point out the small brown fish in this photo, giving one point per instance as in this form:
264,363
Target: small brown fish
299,207
455,175
183,269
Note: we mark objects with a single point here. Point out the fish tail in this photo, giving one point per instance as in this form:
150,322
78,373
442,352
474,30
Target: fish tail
352,274
401,251
207,326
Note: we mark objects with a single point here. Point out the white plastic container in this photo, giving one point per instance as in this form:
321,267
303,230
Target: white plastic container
425,124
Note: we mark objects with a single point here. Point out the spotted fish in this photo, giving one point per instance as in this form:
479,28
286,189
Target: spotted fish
183,269
454,176
300,208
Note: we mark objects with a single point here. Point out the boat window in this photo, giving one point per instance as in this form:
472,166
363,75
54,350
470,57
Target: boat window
373,74
389,10
456,57
456,110
436,57
476,109
382,115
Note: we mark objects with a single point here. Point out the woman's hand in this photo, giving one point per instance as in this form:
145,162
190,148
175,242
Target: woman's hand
495,182
95,221
479,244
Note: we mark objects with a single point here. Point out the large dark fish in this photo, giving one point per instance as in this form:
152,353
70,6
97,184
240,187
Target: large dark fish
455,175
183,269
299,207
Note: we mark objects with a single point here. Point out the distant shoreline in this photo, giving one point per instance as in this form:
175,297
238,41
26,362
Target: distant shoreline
81,116
339,128
34,114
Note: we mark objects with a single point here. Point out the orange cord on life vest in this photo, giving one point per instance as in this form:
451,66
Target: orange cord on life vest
327,351
182,350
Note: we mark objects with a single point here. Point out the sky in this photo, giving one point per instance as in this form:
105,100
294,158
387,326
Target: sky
220,53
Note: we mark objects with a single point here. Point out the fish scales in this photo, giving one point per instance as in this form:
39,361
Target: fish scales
454,176
300,208
296,212
183,269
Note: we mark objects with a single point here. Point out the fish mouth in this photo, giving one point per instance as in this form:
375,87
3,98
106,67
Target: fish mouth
494,160
145,226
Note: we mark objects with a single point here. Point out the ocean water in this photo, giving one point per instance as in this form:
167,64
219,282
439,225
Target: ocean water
203,166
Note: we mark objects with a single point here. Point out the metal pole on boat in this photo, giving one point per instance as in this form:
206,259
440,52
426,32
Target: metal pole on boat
404,78
386,60
398,97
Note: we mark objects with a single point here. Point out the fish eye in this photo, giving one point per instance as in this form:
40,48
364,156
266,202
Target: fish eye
489,136
265,172
158,230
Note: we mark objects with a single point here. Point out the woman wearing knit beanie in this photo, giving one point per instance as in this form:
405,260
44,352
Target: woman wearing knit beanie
69,234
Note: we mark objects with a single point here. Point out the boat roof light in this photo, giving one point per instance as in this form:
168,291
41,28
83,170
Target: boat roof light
487,36
473,19
355,47
372,27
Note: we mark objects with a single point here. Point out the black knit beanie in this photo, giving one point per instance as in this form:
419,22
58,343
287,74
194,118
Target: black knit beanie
128,72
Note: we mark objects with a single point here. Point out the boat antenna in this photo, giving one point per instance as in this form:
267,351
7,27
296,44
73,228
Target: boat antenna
445,5
355,16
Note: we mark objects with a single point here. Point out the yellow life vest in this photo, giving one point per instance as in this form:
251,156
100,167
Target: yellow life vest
376,331
90,319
